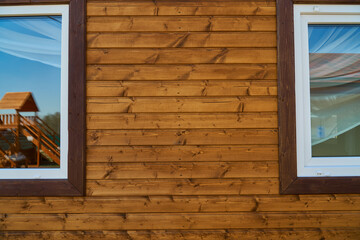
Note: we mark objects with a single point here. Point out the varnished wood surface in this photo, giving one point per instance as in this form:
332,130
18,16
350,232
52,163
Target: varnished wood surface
160,221
181,120
244,234
181,72
181,170
178,204
182,137
210,186
183,8
181,39
182,133
180,55
189,104
188,153
182,88
180,24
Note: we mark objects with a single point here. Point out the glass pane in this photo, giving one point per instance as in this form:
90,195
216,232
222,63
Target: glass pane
30,76
334,54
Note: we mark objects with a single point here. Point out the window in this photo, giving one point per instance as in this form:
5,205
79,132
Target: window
327,89
34,105
319,78
42,102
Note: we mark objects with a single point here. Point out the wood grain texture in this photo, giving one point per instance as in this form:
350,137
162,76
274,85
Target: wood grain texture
181,8
181,88
177,221
180,24
178,204
181,120
176,40
141,187
181,72
46,187
286,89
182,137
187,153
77,95
180,55
244,234
181,105
212,170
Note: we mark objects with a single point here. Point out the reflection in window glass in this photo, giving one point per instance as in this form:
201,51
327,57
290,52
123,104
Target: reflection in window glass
30,78
334,54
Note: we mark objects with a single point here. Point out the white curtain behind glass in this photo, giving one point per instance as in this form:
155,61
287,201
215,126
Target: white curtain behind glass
34,38
334,80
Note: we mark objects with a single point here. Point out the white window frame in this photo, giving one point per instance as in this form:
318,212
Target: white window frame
308,166
48,173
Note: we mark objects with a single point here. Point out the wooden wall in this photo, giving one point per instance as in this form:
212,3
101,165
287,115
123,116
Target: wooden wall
182,133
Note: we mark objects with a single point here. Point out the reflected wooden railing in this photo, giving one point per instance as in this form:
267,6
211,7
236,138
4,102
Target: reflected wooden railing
11,120
37,132
8,121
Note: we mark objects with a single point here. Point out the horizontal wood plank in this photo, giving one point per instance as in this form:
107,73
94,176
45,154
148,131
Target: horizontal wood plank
181,170
180,55
244,234
181,121
182,137
181,72
178,39
177,221
181,153
137,187
181,88
178,204
180,24
189,104
181,8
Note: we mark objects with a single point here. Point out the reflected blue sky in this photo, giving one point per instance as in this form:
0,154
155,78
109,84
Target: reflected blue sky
334,38
24,74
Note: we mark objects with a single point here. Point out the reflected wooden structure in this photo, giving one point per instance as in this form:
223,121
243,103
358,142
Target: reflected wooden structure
16,129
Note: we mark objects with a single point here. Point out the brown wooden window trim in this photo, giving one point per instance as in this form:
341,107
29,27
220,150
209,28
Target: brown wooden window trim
74,185
289,182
